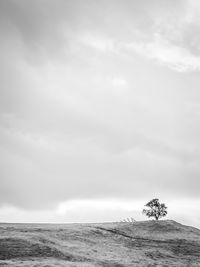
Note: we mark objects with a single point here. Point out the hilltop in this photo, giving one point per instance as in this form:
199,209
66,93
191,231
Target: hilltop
146,243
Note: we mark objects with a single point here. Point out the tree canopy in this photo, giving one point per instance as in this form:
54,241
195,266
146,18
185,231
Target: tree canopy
155,209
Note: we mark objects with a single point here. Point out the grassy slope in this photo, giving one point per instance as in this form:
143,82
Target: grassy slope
149,243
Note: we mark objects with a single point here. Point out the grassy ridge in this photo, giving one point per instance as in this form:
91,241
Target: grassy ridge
149,243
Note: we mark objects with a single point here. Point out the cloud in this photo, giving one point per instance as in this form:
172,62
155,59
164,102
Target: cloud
98,43
119,82
173,40
173,56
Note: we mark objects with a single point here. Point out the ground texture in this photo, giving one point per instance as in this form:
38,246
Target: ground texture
150,243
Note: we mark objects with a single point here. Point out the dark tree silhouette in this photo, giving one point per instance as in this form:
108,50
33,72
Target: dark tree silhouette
156,209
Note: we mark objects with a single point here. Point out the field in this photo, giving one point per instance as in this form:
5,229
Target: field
146,243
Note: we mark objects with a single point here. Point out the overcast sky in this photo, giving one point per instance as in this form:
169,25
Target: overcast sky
99,109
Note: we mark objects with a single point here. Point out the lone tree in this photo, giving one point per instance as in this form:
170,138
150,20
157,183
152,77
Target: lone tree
156,209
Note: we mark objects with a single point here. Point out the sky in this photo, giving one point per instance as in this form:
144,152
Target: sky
99,109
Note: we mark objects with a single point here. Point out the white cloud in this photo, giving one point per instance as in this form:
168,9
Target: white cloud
119,82
97,42
174,56
99,204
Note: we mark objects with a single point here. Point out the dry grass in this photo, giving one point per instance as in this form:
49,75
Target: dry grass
162,243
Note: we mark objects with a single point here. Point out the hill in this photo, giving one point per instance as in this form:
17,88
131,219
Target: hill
146,243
